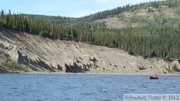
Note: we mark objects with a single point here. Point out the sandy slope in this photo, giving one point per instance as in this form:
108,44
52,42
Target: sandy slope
69,56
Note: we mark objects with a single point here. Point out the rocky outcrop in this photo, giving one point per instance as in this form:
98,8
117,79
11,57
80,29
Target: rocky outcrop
43,55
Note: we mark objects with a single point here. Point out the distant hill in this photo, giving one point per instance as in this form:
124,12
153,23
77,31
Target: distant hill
154,14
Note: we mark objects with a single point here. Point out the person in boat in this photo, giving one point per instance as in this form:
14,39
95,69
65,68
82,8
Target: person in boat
155,75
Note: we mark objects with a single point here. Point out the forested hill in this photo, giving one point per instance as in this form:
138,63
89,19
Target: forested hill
148,29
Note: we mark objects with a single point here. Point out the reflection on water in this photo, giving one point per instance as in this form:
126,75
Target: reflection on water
72,87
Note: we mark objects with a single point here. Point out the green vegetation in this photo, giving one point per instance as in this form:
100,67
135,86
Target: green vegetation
159,37
32,67
10,65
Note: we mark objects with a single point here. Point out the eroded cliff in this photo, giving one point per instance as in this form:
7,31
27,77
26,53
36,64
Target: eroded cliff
36,53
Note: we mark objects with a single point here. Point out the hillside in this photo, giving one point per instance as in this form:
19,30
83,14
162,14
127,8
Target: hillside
154,13
147,29
33,53
142,38
161,16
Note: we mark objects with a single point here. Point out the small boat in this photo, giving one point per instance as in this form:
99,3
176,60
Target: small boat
153,77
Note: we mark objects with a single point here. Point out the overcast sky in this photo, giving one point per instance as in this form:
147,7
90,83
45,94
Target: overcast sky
68,8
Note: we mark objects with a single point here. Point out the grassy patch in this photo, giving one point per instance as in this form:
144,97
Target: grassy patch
32,67
10,65
13,66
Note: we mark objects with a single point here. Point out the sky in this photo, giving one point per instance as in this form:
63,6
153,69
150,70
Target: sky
68,8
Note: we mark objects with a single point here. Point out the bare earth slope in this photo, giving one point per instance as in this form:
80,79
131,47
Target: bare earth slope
45,55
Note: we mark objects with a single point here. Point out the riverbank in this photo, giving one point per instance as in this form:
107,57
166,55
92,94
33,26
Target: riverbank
86,73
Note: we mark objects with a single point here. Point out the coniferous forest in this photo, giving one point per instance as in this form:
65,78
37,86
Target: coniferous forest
158,38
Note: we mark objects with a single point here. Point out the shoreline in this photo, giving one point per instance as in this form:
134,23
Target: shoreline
86,73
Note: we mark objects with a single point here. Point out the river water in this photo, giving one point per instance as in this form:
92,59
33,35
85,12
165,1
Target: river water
82,87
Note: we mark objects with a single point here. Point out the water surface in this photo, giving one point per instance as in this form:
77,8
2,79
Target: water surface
76,87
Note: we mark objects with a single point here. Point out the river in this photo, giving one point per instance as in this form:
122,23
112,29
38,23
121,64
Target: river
82,87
